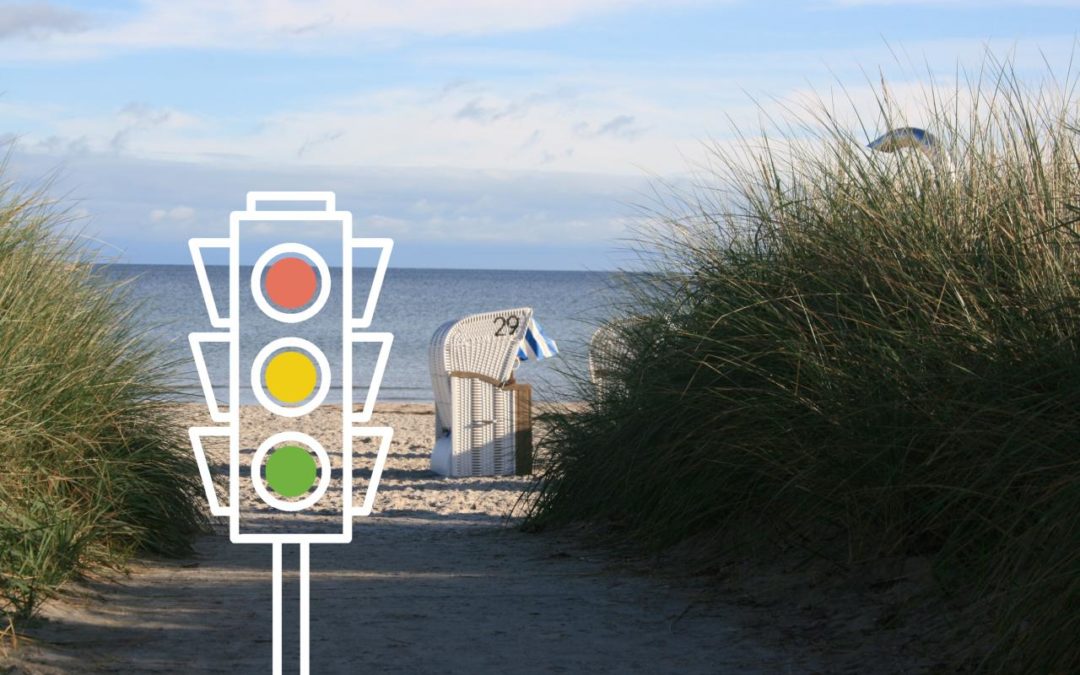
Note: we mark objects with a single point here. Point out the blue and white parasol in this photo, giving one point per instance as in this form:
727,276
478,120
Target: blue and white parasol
904,137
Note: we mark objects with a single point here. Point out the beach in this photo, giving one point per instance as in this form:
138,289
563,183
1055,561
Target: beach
437,580
440,580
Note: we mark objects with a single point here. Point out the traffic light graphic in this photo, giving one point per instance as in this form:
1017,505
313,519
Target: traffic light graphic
273,326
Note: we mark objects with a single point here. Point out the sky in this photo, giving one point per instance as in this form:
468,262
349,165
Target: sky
477,133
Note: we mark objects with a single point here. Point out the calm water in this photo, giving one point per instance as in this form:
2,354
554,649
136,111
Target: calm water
413,303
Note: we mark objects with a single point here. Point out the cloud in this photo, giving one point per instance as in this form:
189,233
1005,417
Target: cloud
134,117
476,111
38,20
973,4
620,126
59,145
319,139
596,122
139,205
616,126
61,130
311,25
485,125
177,214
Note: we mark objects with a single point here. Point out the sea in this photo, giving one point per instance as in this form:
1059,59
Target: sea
413,303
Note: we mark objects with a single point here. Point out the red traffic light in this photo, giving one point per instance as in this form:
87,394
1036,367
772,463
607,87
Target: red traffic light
290,283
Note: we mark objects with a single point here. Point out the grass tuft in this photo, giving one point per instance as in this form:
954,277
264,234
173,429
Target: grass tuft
92,467
863,354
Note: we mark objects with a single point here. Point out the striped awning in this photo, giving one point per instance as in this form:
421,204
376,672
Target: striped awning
905,137
535,345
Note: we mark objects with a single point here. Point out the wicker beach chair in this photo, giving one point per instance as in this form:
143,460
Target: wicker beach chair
483,420
608,348
603,352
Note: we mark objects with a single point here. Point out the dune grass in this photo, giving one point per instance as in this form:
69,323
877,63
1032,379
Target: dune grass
862,354
91,468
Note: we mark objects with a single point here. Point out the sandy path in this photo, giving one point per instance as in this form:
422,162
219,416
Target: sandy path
434,582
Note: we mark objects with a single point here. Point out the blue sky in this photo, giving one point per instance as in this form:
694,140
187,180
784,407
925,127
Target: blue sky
478,133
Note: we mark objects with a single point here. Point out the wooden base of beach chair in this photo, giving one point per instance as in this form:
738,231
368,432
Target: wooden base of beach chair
523,450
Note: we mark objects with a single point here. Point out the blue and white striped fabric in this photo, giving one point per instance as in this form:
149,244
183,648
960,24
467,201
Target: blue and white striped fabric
536,345
905,137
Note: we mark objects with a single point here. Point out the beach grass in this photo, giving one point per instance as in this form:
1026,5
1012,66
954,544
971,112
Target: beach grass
864,355
91,467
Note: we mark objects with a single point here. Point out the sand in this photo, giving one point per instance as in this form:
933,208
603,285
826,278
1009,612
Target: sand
437,580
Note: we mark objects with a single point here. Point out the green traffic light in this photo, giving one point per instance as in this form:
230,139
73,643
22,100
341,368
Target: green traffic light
290,471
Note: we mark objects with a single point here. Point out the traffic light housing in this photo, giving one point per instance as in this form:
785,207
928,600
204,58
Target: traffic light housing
290,329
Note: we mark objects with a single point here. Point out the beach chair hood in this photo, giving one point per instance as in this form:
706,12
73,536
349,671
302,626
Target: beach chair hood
483,345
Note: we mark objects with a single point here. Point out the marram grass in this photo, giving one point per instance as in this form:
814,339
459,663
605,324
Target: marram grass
91,468
869,355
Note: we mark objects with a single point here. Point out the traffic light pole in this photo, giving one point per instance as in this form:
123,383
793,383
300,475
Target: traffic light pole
305,608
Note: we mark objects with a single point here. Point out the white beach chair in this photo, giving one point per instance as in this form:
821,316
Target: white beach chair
603,347
607,348
483,421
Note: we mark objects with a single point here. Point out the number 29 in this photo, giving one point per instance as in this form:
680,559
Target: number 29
506,325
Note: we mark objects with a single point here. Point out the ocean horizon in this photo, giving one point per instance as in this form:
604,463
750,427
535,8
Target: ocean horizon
413,303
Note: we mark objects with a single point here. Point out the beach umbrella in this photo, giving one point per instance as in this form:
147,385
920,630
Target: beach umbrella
536,345
904,137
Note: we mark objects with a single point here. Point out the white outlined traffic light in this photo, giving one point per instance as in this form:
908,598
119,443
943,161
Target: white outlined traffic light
274,344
